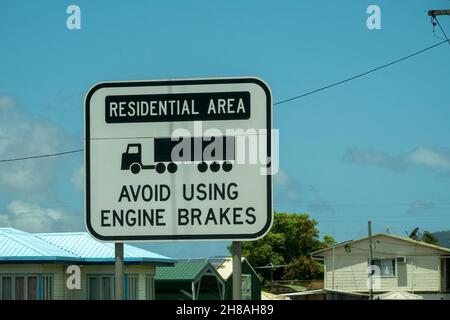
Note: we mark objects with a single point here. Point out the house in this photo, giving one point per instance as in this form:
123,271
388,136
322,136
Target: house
189,280
251,283
37,266
179,282
400,264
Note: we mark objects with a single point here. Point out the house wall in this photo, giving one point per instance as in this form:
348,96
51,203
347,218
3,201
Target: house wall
421,273
60,291
87,270
55,270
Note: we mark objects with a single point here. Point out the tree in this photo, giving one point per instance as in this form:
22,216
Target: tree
425,236
428,237
290,242
303,268
328,241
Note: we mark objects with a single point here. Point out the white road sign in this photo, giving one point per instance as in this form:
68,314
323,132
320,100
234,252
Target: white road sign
178,160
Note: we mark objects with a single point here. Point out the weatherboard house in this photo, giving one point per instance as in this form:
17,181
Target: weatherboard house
400,265
39,266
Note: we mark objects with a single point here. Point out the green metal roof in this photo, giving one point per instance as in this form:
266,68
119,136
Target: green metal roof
182,271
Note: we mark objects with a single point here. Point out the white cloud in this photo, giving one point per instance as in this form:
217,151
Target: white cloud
281,178
21,136
77,179
291,194
6,102
33,218
419,207
432,158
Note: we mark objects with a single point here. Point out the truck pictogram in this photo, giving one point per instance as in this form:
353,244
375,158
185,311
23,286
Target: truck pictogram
163,147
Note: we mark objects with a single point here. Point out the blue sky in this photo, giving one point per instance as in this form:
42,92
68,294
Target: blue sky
375,148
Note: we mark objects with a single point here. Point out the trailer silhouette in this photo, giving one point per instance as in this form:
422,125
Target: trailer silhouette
132,157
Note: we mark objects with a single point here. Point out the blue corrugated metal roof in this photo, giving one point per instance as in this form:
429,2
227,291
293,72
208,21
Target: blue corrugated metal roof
16,245
20,246
83,245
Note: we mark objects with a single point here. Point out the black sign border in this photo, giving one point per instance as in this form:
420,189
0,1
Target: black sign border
224,237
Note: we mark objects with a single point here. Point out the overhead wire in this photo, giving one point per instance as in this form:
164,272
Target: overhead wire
278,102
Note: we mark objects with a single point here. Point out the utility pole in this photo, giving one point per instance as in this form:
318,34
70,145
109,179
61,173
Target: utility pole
433,14
370,261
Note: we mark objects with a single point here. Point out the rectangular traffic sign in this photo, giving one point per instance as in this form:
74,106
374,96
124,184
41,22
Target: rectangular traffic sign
178,160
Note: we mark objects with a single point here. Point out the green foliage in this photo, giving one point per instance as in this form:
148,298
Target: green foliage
428,237
290,242
328,241
303,268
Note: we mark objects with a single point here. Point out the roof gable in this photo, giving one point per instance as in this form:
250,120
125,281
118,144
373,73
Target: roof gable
185,271
406,241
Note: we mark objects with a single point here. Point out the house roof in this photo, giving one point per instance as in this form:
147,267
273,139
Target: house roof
225,269
16,245
74,247
405,239
83,245
189,271
398,295
222,264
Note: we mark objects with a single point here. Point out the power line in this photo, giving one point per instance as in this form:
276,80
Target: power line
279,102
361,74
442,29
42,156
299,204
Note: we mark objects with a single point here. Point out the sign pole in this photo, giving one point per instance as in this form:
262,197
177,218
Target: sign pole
118,268
370,261
237,270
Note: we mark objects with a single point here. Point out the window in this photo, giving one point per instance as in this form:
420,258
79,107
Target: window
24,287
133,149
47,287
7,292
20,288
387,267
132,287
101,287
149,287
246,287
32,288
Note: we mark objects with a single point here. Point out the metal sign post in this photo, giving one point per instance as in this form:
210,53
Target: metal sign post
237,270
119,270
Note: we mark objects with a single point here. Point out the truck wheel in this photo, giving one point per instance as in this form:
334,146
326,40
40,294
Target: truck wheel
214,166
135,168
202,167
227,166
160,167
172,167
